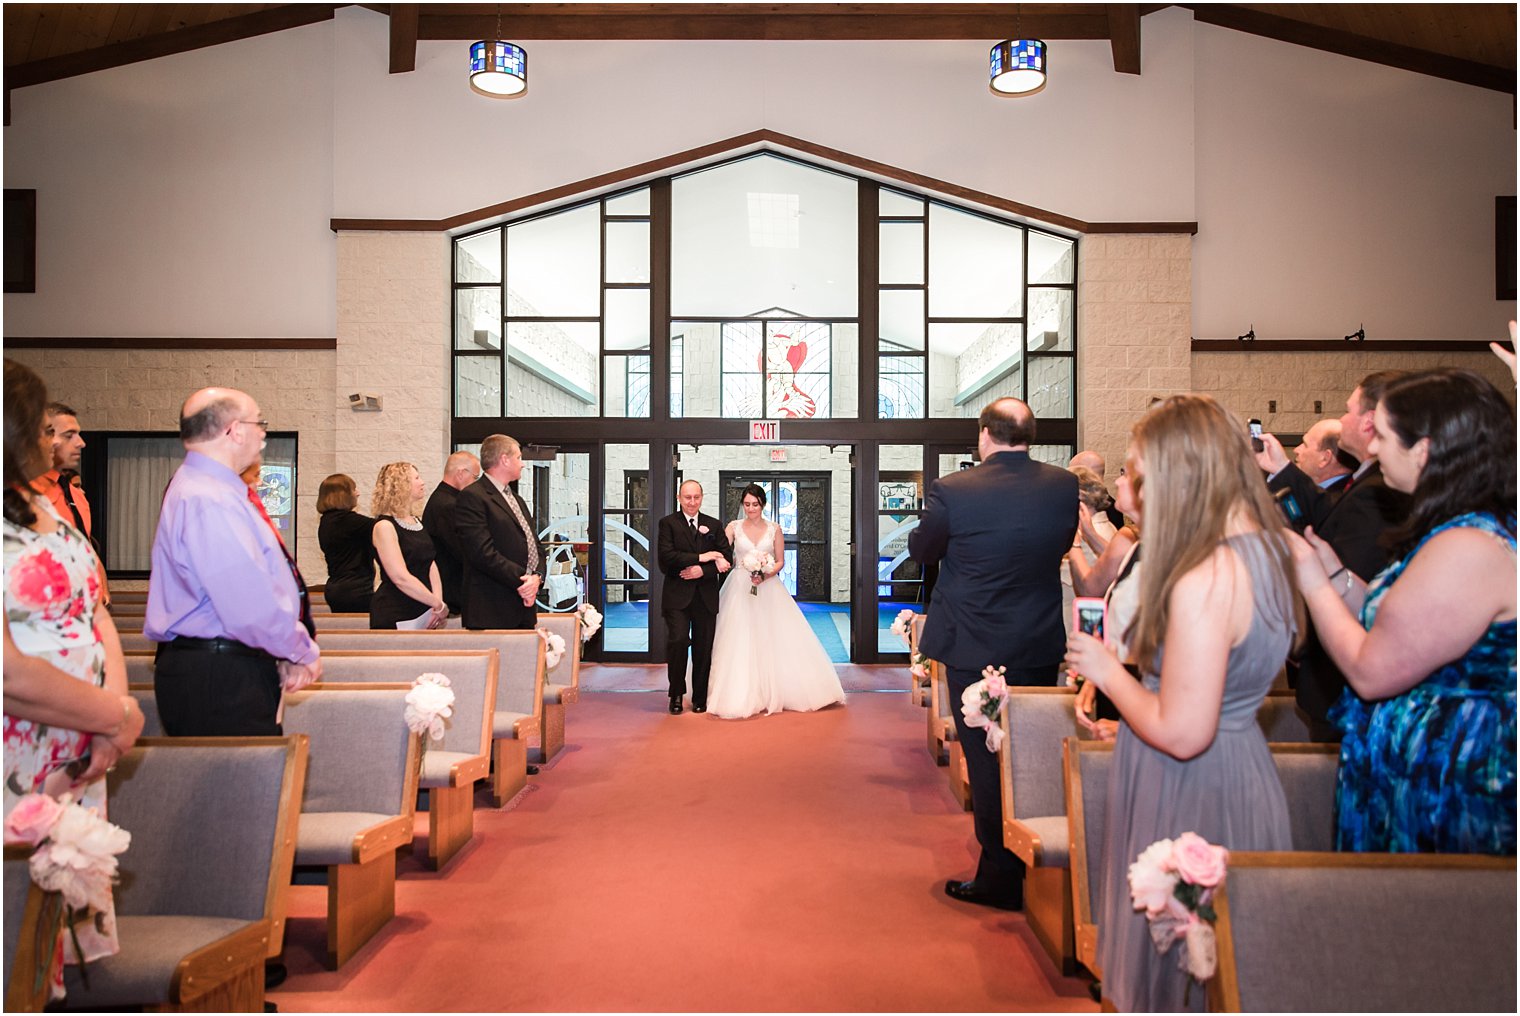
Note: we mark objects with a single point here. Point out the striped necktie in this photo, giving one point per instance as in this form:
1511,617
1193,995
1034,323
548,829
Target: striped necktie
522,520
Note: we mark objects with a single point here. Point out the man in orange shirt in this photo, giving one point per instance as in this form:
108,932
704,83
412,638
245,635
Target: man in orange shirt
57,484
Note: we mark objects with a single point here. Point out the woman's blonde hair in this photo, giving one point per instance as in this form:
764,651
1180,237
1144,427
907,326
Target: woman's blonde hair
393,490
1197,472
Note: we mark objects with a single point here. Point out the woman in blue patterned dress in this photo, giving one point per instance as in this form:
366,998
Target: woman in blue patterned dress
1428,716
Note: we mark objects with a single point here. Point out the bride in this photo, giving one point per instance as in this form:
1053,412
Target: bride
765,655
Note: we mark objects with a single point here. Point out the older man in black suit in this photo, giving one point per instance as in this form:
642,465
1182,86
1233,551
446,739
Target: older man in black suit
461,470
998,532
1352,520
503,561
693,554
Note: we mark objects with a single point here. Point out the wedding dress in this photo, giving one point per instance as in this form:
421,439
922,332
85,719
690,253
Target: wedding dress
765,655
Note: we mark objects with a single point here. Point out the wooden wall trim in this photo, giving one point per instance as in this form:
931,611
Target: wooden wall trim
1339,346
128,342
759,140
151,47
1359,47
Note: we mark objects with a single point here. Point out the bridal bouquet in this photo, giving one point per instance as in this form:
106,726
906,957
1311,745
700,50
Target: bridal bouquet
591,621
982,704
428,704
554,647
758,565
1173,881
900,625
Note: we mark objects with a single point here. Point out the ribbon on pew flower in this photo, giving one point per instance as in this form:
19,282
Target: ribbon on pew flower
1174,882
591,621
554,647
75,856
982,704
428,704
900,625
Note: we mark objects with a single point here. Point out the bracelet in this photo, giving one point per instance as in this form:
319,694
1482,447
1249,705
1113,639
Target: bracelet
1349,577
1337,571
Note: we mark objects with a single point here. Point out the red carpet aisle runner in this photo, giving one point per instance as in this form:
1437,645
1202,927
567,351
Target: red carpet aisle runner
686,863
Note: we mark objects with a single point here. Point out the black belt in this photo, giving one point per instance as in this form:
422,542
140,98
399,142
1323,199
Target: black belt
213,646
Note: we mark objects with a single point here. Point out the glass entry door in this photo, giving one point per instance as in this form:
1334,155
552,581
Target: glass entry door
799,504
558,491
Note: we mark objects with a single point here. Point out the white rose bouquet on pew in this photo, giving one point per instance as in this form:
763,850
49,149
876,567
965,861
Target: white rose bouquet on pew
75,855
919,667
428,704
982,704
554,647
591,621
1174,881
900,625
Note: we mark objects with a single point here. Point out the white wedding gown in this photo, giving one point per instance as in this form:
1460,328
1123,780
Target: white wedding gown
765,655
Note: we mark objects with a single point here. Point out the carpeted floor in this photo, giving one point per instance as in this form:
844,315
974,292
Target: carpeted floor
685,863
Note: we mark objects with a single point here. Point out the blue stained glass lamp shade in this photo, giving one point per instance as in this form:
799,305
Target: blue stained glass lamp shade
498,69
1017,67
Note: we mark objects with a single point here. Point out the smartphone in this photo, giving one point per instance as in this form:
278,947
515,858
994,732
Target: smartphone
1291,509
1087,614
1255,426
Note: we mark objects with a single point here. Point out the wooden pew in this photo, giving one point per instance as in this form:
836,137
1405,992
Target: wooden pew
203,886
33,919
450,769
361,793
519,687
562,685
1036,721
940,721
918,687
1307,773
1329,932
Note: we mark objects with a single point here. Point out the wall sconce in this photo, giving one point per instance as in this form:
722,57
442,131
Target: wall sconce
1249,336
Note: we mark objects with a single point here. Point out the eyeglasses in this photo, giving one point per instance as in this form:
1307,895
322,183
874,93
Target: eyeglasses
261,424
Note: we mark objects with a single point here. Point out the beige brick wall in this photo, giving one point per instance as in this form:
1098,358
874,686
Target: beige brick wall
1247,382
393,341
143,389
1134,319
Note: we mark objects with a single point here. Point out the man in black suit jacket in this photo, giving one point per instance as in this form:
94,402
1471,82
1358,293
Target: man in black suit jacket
998,532
459,472
693,554
1352,521
503,561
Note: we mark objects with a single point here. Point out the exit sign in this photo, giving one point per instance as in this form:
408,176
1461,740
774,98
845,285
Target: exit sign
768,431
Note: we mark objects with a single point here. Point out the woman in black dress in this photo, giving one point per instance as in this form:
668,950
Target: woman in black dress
409,584
344,536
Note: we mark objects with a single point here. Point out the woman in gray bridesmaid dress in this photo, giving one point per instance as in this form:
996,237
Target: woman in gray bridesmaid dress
1217,618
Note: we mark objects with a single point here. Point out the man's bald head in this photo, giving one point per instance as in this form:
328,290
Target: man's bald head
461,470
209,412
1008,423
1089,459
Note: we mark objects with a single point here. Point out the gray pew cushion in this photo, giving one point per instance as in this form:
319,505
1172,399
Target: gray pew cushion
1037,724
436,764
1308,782
503,724
1054,839
151,950
327,837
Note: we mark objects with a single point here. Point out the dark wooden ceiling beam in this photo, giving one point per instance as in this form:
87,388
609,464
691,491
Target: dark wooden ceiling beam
1360,47
182,40
403,38
1124,36
771,21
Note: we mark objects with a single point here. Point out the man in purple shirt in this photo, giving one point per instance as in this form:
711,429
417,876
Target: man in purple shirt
223,598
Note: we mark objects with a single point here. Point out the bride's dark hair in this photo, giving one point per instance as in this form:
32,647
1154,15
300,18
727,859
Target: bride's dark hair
757,491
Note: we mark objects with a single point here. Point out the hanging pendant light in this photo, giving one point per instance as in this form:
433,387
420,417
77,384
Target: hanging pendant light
498,70
1017,65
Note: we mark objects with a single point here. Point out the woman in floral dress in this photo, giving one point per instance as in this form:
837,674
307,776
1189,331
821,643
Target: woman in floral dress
65,680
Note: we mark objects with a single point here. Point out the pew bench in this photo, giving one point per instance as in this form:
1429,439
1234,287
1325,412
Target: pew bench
564,688
361,794
941,723
918,687
201,901
1328,932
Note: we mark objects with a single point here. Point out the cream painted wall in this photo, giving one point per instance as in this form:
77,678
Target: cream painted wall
1094,144
184,196
1333,192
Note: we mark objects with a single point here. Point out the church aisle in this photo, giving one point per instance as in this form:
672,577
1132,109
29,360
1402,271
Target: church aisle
686,863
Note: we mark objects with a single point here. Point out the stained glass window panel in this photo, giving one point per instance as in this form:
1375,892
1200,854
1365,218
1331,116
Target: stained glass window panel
741,396
901,388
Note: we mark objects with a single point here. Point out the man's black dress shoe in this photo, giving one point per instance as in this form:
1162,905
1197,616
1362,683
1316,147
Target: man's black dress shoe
967,892
675,707
532,769
699,709
274,974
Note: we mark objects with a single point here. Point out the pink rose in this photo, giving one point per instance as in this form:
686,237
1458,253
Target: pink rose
32,819
997,687
1198,861
41,583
